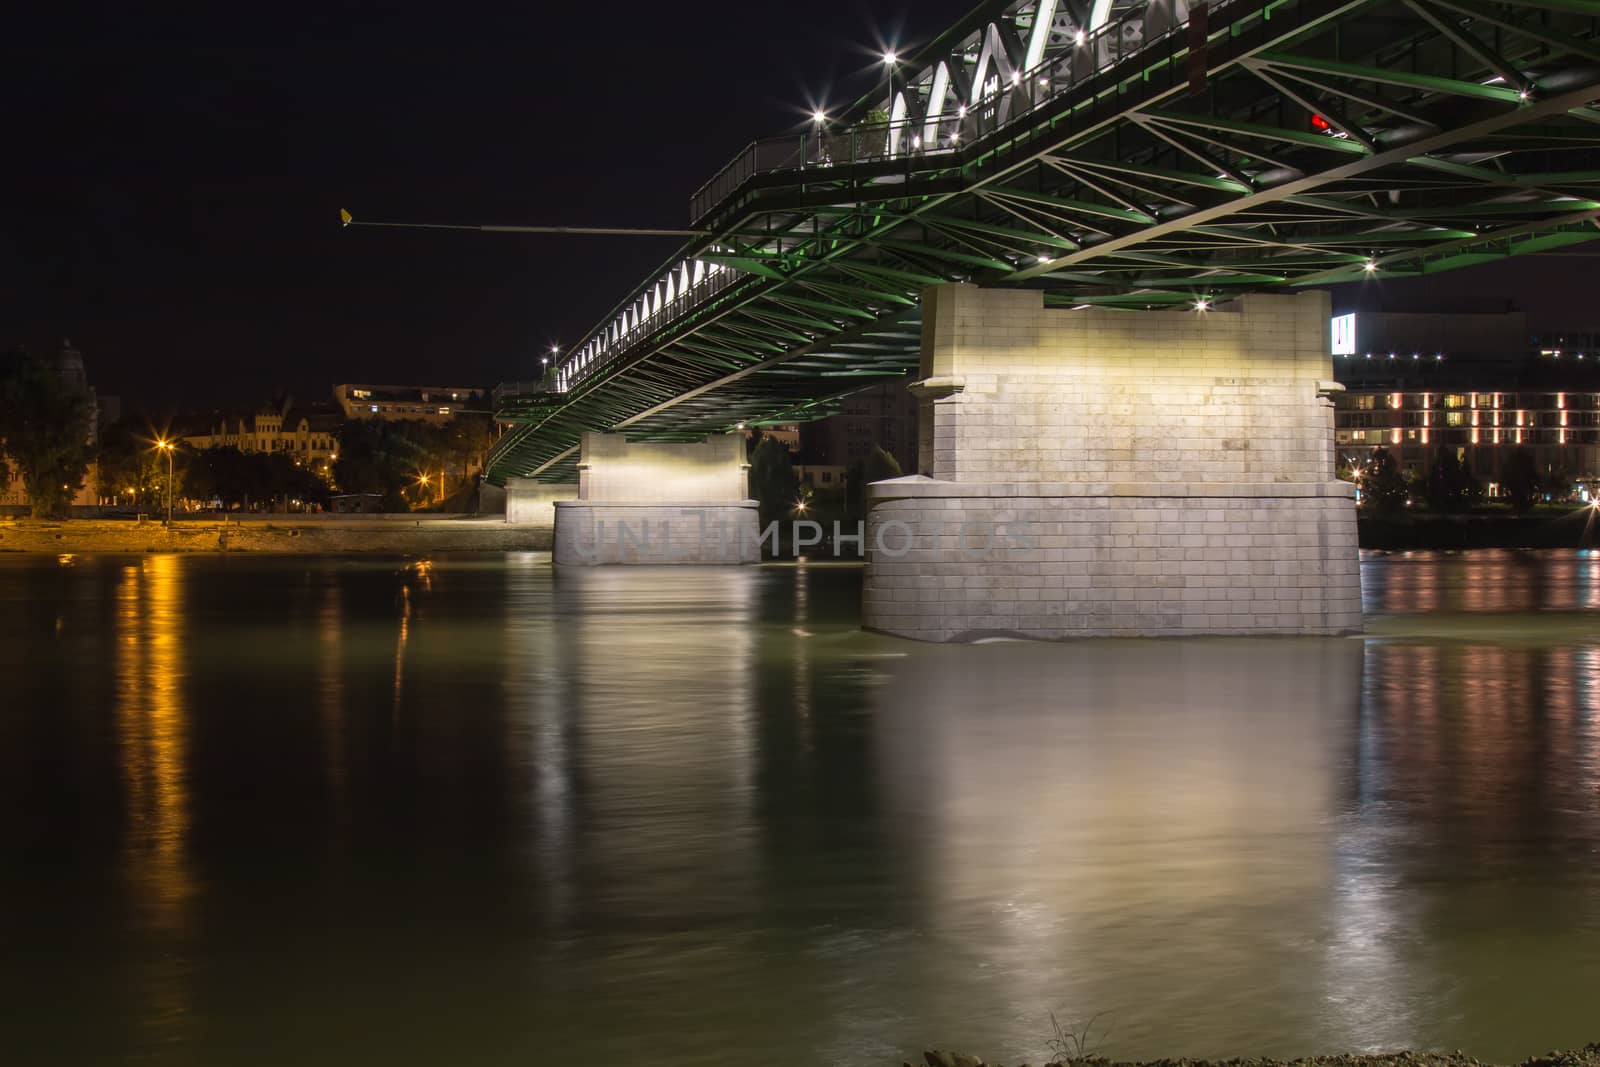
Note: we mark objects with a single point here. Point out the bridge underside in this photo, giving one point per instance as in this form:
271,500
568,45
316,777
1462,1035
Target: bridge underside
1271,146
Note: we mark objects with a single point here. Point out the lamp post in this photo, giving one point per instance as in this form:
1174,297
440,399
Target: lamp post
424,480
164,445
889,133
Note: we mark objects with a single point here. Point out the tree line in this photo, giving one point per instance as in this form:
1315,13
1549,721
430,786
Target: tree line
46,434
1449,486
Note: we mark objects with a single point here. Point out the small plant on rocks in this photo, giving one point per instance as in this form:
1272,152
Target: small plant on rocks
1077,1041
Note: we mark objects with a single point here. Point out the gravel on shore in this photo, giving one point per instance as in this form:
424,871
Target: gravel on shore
1588,1056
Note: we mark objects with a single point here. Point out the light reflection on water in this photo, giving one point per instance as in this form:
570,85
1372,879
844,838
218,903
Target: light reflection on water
301,810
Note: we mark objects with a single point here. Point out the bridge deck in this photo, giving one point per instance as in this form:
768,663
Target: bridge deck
1157,157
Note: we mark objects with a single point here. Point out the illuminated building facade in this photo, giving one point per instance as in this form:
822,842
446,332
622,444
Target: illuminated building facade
309,437
425,403
884,416
1484,387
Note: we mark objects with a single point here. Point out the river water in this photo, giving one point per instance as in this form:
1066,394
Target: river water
464,811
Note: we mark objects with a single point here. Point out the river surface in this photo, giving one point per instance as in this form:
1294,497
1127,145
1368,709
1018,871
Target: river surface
458,812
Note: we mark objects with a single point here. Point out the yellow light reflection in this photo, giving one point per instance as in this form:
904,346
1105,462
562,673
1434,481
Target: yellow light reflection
400,645
153,730
330,684
152,724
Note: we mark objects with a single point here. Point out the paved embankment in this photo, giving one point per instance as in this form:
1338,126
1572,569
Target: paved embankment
332,534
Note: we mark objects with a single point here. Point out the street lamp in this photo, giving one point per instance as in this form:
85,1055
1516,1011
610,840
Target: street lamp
819,122
163,445
423,480
889,61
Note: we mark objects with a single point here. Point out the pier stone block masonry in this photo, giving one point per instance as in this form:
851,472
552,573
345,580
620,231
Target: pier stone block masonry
658,503
532,503
1100,473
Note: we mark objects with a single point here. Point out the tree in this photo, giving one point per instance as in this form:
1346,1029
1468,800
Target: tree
387,458
129,470
44,430
1558,483
1520,479
466,440
1383,487
1449,485
1471,489
244,479
772,479
878,466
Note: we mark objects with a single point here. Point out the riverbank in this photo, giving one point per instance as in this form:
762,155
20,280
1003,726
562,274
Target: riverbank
321,534
410,534
1588,1056
1569,528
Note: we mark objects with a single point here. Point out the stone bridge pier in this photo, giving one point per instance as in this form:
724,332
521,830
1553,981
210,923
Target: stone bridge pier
658,503
1095,473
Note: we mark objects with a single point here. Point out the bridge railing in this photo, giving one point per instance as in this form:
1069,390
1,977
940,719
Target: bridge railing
1004,100
667,312
508,392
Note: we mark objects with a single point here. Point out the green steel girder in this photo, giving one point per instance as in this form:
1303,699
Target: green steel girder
1140,192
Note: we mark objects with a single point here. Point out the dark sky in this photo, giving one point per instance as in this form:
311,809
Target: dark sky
171,181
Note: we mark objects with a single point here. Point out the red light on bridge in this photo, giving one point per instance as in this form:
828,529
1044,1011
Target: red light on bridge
1320,124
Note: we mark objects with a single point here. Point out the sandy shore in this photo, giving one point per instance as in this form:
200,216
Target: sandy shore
328,534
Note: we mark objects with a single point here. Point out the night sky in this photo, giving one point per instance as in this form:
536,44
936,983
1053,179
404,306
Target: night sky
172,181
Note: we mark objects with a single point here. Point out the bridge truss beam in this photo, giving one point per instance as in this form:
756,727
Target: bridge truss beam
1291,143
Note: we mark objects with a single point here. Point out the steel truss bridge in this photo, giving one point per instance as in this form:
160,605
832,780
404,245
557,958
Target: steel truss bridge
1114,153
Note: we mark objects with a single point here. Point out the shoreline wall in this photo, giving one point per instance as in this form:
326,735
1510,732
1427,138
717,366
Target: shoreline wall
289,534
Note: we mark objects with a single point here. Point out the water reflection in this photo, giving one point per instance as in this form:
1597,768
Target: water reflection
489,811
1489,580
152,730
659,672
331,702
1123,819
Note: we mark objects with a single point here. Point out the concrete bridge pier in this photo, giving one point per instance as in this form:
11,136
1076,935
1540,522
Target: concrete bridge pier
658,503
534,503
1098,473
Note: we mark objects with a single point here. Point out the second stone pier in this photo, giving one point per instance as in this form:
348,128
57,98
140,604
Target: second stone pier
658,503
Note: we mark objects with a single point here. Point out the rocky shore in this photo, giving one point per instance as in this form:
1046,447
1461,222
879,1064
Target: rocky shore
1588,1056
318,534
